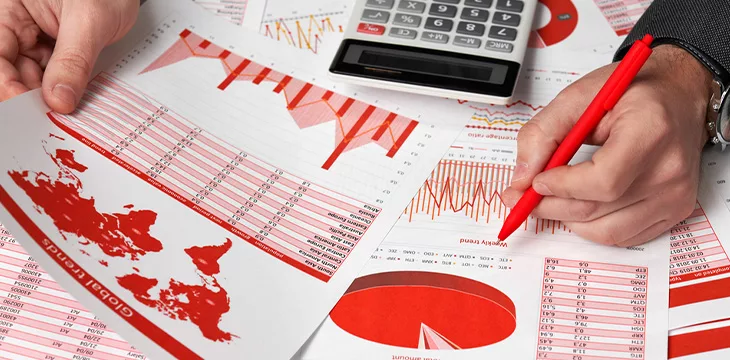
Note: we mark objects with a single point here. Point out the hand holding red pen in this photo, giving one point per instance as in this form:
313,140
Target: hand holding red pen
644,178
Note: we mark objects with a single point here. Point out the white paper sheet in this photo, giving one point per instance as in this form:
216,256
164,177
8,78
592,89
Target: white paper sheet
700,270
215,195
441,287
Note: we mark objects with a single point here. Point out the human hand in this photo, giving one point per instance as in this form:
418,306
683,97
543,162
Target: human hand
644,178
54,44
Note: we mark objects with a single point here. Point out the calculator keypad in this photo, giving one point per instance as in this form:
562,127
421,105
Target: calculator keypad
510,5
380,4
443,10
485,4
407,20
376,16
437,24
472,14
487,24
470,29
403,33
416,7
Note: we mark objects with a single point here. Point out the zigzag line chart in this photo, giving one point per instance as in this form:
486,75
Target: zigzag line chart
357,123
307,36
472,189
513,116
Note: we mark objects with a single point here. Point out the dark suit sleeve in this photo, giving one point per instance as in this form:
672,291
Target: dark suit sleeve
701,27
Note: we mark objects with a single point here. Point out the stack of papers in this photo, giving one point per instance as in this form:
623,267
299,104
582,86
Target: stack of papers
215,196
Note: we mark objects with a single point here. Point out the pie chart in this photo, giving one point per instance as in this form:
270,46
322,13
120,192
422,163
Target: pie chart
563,20
425,310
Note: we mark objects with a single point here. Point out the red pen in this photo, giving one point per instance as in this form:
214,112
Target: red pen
604,101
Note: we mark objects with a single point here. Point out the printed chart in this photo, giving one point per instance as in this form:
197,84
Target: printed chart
700,266
563,21
357,123
465,188
573,298
307,25
41,321
259,202
425,310
199,169
231,10
594,309
622,15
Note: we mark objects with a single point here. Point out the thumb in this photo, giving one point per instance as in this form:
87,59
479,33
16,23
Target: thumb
83,32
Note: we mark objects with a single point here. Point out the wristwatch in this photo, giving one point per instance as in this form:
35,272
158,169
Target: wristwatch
718,114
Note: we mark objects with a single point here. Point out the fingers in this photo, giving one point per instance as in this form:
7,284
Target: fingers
538,139
30,72
619,226
11,83
651,233
40,53
610,173
82,35
638,223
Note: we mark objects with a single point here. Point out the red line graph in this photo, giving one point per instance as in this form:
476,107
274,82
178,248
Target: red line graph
358,123
307,37
472,189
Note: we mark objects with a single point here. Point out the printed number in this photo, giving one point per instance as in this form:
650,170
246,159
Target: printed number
470,27
443,8
438,22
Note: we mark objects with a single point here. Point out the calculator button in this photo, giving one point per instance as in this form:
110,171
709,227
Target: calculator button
448,1
467,41
474,14
510,5
407,20
380,4
439,24
470,29
506,19
402,33
375,16
502,33
442,10
478,3
412,6
434,37
370,29
499,46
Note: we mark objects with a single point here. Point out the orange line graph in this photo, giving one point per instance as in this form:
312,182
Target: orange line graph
472,189
308,37
358,123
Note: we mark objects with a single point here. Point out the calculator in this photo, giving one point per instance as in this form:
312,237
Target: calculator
460,49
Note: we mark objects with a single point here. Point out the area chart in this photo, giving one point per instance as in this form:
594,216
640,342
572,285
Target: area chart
358,123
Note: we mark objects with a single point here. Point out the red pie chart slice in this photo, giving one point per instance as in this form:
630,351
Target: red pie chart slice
425,310
563,21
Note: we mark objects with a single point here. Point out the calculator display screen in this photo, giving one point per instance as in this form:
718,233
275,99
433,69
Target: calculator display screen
426,67
422,63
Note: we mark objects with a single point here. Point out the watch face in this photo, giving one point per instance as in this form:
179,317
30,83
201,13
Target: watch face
723,120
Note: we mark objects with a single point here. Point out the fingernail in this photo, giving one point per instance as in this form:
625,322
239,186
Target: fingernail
65,93
520,172
542,189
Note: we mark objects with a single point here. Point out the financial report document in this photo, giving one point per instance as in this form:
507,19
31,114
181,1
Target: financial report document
214,195
441,287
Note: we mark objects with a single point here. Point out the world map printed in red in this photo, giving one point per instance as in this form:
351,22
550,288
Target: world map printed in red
203,305
60,197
